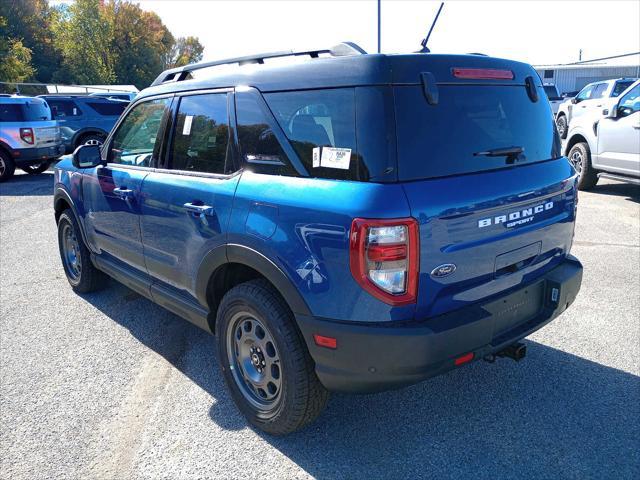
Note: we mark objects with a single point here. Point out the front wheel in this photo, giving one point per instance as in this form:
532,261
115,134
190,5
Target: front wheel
80,272
265,361
36,168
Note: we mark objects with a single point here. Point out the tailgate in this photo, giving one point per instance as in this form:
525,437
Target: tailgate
492,230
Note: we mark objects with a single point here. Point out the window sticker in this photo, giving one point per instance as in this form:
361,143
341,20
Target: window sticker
316,157
186,129
335,158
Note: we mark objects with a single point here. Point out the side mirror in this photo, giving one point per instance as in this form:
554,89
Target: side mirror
574,100
611,112
87,156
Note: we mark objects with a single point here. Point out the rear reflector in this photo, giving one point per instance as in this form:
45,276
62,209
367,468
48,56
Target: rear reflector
322,341
483,73
464,359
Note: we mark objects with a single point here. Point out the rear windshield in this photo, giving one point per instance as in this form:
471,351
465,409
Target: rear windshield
469,121
552,92
620,87
31,110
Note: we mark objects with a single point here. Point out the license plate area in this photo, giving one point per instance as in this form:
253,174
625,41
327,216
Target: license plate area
516,309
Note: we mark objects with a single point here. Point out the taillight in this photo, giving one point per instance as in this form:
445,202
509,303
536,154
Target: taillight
26,134
483,73
384,258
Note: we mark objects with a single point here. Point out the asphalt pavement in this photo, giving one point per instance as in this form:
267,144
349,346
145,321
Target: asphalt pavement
111,386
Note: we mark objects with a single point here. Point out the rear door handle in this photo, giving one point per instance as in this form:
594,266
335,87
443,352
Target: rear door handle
199,209
123,192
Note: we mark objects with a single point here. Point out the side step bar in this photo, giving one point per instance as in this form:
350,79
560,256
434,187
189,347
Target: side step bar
620,178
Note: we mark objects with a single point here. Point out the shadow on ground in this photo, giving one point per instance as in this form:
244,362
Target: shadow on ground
25,185
631,192
552,415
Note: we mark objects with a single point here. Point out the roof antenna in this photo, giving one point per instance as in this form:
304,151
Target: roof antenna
424,48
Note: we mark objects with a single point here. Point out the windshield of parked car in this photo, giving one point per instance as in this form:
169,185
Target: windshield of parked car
620,87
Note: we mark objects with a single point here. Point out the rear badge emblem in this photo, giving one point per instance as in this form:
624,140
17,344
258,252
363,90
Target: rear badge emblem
443,270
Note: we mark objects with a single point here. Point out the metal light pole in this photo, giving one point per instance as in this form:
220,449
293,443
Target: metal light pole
379,2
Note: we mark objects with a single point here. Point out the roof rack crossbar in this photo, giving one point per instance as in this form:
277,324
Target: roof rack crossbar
179,73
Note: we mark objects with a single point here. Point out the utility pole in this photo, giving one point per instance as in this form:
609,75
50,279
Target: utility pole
580,55
379,2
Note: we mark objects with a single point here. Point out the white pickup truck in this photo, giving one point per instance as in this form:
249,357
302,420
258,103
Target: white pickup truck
554,97
605,142
596,96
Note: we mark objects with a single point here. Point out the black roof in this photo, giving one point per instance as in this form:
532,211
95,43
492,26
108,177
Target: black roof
268,74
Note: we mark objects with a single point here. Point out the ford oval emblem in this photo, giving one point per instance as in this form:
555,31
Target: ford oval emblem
443,270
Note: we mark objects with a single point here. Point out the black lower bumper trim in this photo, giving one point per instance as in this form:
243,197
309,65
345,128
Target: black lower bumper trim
372,357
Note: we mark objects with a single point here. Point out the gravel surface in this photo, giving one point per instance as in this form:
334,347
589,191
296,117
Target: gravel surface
111,386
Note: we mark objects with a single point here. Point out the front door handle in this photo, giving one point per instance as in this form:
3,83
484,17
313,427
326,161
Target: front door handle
123,192
198,208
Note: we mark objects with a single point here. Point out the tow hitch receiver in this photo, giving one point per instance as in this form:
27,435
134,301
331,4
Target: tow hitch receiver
516,351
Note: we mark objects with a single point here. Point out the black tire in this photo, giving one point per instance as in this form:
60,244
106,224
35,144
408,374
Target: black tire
83,277
562,125
37,168
580,158
92,139
299,397
7,166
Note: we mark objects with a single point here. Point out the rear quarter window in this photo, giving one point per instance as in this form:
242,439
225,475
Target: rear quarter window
445,139
109,109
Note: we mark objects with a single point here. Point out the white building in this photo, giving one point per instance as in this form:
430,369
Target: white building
573,76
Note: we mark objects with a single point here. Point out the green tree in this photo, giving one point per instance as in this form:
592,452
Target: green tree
184,51
84,32
140,42
15,58
29,22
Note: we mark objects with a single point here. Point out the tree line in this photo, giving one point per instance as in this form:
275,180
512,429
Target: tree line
91,42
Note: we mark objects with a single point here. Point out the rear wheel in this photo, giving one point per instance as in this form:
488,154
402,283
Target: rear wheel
91,139
265,361
7,167
563,127
580,158
36,168
80,272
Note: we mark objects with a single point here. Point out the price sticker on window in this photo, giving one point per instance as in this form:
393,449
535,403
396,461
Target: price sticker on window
335,158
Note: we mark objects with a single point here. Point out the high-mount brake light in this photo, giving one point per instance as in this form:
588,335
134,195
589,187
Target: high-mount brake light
482,73
384,258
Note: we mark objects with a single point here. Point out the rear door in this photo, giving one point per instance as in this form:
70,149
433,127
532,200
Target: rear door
483,174
619,137
187,201
112,192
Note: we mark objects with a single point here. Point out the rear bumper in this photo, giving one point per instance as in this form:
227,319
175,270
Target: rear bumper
372,357
29,156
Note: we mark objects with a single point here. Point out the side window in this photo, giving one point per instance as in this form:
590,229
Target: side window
201,134
630,103
585,93
109,108
135,141
321,125
598,91
260,147
64,108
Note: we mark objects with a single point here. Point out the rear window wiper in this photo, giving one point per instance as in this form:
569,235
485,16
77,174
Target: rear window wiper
513,154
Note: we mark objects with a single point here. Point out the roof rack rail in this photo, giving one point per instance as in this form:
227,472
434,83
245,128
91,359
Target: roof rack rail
180,73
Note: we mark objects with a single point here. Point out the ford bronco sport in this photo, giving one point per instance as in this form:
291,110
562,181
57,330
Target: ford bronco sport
340,221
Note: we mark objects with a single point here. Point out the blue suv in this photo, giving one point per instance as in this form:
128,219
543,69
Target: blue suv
340,221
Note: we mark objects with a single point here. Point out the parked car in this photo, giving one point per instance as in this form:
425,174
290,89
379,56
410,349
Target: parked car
84,119
324,219
29,138
607,142
595,95
554,97
127,96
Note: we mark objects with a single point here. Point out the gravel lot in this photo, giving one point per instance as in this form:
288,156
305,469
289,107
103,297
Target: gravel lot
111,386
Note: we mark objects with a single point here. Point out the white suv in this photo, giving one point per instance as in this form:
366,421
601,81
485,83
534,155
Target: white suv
605,142
594,95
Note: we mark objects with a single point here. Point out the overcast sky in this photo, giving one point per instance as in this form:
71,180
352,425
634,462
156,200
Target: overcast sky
535,32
